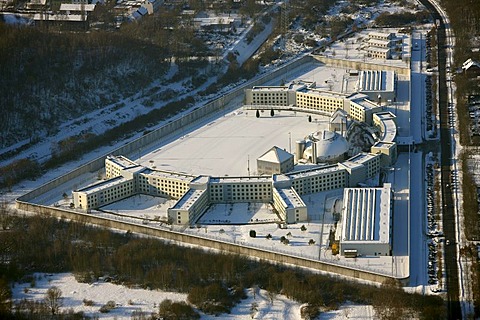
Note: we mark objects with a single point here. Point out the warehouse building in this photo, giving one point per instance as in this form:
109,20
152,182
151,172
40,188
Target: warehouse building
367,221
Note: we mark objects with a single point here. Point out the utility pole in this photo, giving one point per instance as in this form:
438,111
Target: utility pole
290,142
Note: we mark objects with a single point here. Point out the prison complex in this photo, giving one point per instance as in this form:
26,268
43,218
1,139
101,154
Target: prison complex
365,209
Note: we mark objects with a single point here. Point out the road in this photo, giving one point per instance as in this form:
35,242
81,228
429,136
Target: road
446,139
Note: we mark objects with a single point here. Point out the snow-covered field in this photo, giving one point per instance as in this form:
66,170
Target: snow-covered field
128,300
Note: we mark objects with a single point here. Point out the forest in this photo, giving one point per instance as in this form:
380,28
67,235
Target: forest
214,282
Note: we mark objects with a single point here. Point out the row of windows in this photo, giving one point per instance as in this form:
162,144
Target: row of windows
219,186
320,103
319,188
268,94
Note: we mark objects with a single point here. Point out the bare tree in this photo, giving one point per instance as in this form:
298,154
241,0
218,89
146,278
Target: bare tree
271,294
253,309
53,299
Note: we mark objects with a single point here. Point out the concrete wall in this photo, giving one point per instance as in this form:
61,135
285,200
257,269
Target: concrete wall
209,243
185,122
359,65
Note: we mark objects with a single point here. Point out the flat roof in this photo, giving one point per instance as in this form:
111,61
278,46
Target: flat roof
122,161
364,103
377,49
314,171
188,199
56,17
280,178
383,144
366,214
290,197
201,180
362,157
326,93
350,164
167,174
380,34
292,86
105,184
390,130
372,80
378,42
385,115
77,7
389,124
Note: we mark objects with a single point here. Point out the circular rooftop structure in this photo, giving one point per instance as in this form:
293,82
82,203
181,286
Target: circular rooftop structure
328,146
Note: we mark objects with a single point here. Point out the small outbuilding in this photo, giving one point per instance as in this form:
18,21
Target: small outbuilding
471,68
274,161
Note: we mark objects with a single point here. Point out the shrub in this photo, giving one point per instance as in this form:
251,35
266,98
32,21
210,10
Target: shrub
88,303
213,299
106,308
176,310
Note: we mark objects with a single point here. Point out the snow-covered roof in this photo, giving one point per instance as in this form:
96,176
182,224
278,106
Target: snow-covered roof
389,126
383,144
105,184
313,171
350,165
324,93
378,42
329,144
168,175
188,199
370,80
366,214
41,2
378,49
77,7
122,161
276,155
363,157
470,63
210,21
376,34
58,17
339,116
290,198
363,102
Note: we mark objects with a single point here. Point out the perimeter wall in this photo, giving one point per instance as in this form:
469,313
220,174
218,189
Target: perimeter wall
185,123
208,243
359,65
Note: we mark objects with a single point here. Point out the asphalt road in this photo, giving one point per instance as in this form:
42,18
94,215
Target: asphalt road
449,221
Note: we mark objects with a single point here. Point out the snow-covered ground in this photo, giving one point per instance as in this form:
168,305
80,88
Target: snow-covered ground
153,208
128,300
